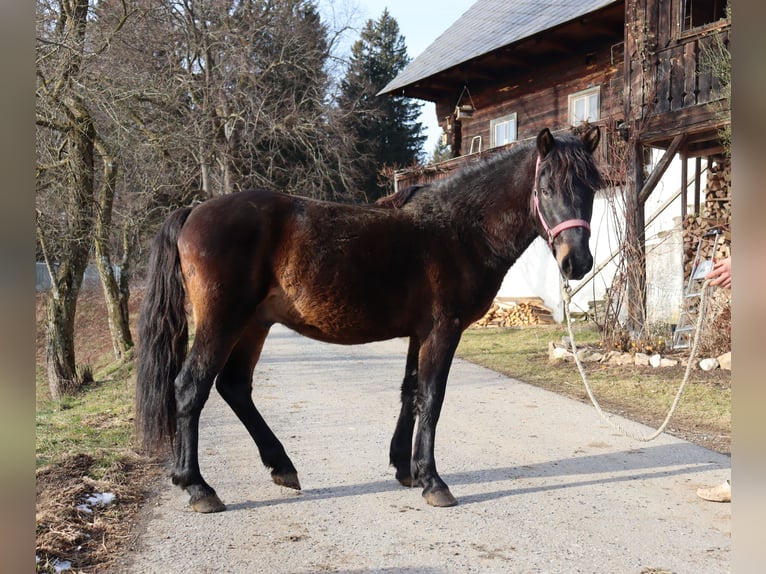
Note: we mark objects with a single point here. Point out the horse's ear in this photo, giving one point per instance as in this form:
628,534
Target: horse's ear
545,142
591,138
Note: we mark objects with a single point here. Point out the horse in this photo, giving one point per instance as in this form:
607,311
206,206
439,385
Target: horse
423,264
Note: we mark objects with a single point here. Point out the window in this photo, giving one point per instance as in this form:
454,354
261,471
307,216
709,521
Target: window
584,106
503,130
697,13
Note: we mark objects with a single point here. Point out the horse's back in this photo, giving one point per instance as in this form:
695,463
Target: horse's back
330,271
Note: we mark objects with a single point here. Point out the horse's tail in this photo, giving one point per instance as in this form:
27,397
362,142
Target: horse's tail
163,338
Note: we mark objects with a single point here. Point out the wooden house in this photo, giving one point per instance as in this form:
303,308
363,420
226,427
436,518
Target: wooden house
507,68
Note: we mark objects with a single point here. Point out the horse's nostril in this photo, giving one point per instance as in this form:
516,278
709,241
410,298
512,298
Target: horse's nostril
566,265
575,267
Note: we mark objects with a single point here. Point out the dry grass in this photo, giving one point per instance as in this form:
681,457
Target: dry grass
90,540
84,445
643,394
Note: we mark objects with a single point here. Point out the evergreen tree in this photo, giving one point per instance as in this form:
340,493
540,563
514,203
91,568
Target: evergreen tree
442,151
385,129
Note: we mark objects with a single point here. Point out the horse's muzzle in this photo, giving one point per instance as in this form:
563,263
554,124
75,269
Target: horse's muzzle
574,260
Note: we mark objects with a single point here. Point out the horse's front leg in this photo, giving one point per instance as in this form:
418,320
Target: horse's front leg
434,363
192,389
400,453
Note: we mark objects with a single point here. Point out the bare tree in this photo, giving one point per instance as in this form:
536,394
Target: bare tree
77,176
253,95
143,103
65,177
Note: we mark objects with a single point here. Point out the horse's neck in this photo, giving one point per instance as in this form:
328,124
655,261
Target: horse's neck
494,218
509,236
509,225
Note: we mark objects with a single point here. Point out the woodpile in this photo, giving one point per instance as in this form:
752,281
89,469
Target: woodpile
715,214
510,312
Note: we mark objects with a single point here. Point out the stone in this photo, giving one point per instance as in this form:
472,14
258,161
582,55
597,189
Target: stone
641,359
587,356
655,360
556,353
665,362
621,359
708,364
724,361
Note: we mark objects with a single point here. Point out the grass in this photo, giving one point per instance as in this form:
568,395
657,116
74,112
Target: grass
85,444
97,420
643,394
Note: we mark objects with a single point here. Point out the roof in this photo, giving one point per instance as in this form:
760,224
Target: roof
488,25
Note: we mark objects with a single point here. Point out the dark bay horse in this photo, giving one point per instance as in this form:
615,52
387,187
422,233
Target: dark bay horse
424,264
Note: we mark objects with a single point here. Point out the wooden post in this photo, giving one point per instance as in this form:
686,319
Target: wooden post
634,239
697,172
684,185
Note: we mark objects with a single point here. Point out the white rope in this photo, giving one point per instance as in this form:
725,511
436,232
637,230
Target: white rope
566,295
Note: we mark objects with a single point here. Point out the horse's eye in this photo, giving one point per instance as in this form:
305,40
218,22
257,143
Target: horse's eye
546,191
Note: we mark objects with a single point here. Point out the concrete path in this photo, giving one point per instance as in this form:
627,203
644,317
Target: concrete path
544,485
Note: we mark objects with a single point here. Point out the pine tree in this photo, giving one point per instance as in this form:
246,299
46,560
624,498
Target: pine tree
442,151
385,129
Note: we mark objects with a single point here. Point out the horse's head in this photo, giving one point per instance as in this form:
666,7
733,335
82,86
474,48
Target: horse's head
566,179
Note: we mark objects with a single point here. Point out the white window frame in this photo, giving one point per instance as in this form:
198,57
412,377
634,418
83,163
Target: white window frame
585,96
497,122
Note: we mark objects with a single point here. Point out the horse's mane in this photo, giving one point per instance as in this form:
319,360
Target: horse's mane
398,199
568,160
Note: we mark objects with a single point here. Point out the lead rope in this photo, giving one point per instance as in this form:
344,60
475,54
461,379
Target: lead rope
566,293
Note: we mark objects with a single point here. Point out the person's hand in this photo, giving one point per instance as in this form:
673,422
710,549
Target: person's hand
721,274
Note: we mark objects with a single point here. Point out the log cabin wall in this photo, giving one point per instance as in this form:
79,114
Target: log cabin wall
645,56
668,85
539,98
671,89
532,79
537,105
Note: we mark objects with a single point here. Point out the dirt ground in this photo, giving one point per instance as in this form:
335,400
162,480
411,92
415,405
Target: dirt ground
89,541
92,542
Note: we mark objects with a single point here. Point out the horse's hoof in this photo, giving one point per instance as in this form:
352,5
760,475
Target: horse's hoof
288,479
208,504
441,498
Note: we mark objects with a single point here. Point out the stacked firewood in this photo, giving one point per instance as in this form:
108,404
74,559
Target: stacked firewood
717,195
716,214
508,312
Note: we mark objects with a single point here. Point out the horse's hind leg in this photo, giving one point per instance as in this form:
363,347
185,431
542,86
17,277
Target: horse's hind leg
400,453
192,389
235,385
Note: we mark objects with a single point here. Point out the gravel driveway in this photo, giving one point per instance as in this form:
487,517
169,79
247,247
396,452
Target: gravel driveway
543,484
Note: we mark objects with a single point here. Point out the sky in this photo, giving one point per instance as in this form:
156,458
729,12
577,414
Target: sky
420,23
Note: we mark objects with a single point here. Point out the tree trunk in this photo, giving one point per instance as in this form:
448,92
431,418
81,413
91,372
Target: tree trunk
62,371
60,356
60,314
116,297
116,304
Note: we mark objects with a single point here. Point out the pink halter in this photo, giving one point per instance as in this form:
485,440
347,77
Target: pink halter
568,224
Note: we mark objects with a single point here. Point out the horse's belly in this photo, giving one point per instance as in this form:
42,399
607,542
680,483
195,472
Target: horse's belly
334,319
